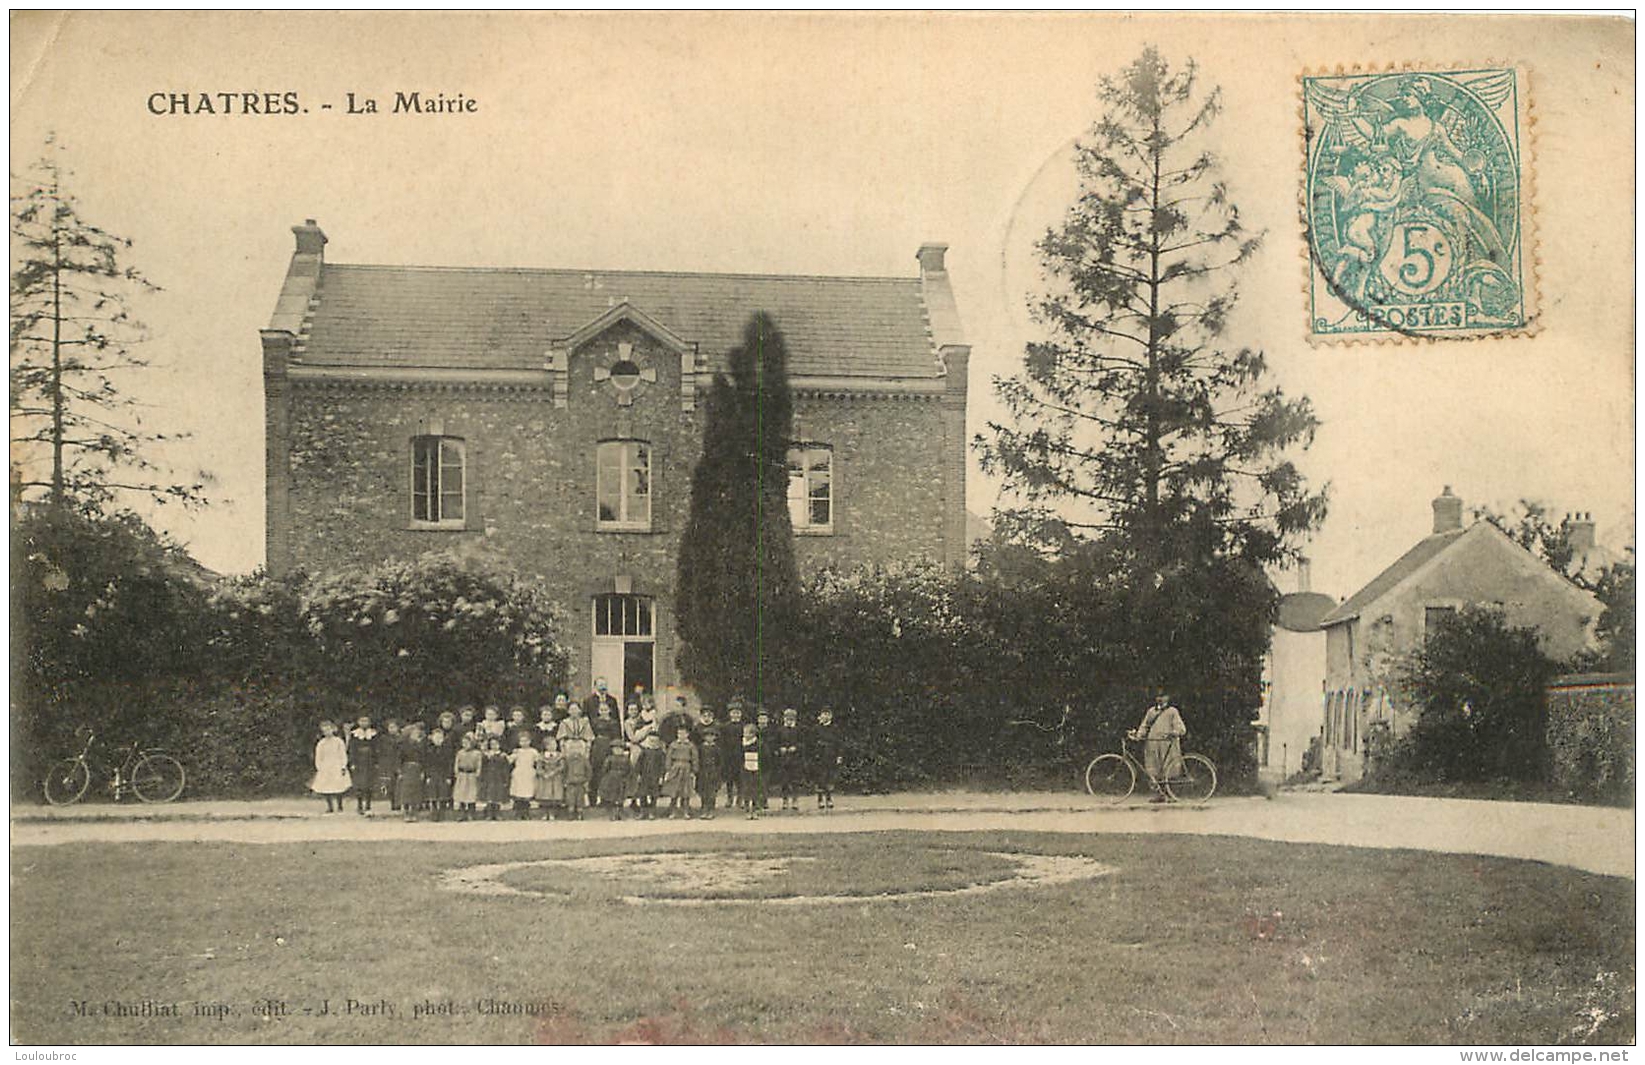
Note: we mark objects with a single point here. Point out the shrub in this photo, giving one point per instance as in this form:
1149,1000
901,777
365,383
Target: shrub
252,667
1479,685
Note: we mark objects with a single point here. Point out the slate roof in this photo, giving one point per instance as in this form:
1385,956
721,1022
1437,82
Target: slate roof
1302,611
1403,567
399,316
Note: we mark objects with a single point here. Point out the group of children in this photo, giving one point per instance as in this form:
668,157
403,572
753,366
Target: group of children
577,756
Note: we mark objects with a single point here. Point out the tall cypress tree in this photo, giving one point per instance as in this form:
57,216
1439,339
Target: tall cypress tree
738,584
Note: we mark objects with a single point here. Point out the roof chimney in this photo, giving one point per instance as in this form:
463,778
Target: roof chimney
930,257
1579,532
311,239
1305,576
1447,512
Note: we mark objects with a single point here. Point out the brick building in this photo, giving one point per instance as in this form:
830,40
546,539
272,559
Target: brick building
554,415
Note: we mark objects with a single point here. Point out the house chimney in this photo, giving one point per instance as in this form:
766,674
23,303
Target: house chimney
930,257
311,239
1447,512
1304,576
1580,532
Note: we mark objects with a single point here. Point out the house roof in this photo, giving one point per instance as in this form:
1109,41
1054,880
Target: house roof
406,316
1302,611
1408,563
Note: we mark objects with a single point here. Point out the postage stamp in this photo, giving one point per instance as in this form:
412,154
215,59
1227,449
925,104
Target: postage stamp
1415,207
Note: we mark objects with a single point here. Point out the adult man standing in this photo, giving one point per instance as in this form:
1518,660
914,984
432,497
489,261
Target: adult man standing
600,696
1161,733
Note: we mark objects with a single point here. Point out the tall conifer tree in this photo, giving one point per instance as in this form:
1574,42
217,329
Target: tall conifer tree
77,437
737,580
1135,420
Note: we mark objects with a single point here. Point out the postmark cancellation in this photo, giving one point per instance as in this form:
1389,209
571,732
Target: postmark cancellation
1415,204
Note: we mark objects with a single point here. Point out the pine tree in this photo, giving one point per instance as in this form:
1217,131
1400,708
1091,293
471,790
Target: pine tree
1132,421
73,338
738,583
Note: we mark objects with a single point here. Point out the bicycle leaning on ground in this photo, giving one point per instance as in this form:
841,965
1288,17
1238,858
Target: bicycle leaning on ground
1114,776
152,774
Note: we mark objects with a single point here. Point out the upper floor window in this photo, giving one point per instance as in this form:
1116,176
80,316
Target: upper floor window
623,484
438,481
811,487
1434,620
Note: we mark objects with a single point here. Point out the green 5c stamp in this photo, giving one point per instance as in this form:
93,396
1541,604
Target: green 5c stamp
1414,204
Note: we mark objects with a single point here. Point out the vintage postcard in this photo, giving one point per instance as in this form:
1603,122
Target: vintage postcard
822,528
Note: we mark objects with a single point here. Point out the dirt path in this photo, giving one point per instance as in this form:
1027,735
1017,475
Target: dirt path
1596,839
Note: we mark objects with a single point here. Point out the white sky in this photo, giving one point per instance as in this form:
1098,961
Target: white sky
827,144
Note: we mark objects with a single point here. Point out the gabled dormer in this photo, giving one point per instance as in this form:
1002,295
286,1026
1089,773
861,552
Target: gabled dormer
623,374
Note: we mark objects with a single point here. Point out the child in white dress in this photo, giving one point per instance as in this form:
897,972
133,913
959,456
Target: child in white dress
522,782
331,777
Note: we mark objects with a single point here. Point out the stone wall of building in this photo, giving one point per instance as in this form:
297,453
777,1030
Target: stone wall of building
342,494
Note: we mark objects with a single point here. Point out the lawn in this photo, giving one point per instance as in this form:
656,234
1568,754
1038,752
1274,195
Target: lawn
1178,942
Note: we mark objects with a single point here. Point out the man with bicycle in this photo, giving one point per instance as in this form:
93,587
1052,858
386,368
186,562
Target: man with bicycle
1161,733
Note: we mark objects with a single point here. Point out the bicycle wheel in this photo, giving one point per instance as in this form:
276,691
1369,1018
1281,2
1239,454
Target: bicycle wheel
157,777
67,781
1110,777
1198,780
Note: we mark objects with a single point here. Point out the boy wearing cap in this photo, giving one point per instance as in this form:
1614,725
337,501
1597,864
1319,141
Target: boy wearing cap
787,767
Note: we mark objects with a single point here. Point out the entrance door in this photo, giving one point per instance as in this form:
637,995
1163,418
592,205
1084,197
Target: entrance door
624,643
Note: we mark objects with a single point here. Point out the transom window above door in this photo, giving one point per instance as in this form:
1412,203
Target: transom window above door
622,615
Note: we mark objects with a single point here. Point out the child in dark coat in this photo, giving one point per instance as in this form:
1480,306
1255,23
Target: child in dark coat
362,763
825,758
495,770
576,739
710,764
388,762
787,762
437,771
408,789
731,751
608,733
614,782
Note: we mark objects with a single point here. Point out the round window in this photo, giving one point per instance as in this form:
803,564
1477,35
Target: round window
625,374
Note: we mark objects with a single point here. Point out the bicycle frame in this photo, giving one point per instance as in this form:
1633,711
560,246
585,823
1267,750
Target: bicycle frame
1138,763
117,774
